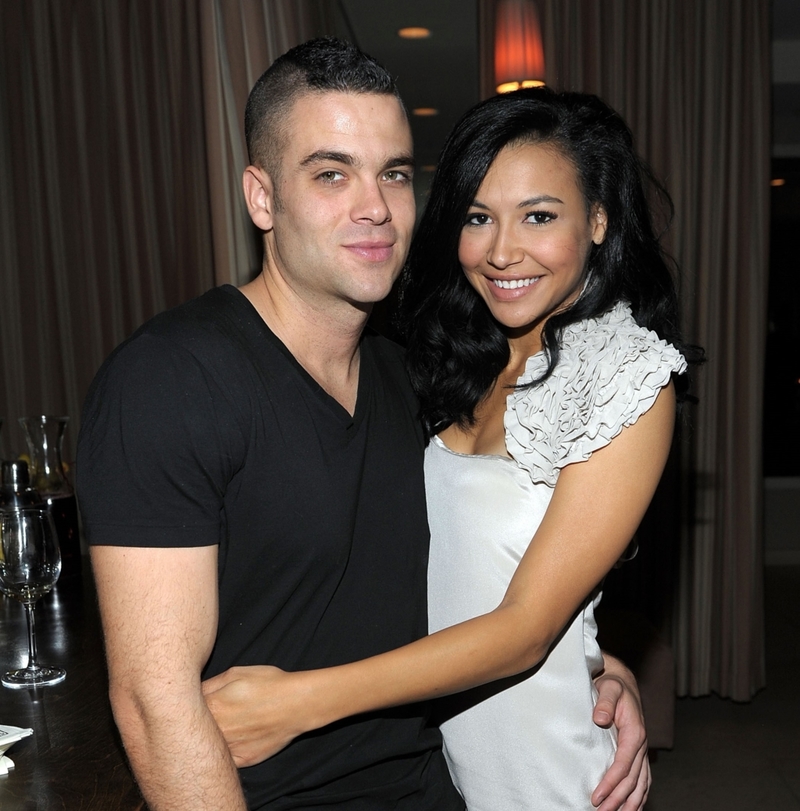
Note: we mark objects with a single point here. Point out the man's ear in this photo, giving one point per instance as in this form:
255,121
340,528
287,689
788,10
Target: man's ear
259,195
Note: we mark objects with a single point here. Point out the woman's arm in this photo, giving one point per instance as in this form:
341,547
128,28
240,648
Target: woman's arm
596,507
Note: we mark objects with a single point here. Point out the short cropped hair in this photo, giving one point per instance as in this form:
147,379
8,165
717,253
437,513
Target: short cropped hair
317,66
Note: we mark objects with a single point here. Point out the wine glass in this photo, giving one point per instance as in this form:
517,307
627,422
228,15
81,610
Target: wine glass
30,563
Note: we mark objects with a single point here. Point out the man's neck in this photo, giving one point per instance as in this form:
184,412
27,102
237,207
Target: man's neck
324,340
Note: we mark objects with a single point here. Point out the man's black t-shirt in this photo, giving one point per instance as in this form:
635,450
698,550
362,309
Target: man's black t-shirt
203,429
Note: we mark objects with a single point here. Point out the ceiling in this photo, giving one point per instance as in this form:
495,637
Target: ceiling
442,71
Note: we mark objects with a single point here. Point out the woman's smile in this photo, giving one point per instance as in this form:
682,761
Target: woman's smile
513,284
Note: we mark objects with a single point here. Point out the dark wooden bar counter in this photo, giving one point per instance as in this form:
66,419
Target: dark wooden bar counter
74,759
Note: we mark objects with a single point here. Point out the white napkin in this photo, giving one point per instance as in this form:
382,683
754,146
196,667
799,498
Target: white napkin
8,737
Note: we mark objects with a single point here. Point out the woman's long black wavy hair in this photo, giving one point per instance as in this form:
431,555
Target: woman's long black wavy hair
456,349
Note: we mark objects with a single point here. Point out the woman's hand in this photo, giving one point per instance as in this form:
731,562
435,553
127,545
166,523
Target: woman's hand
259,709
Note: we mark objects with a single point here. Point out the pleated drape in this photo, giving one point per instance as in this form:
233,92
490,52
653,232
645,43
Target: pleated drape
106,219
120,158
240,40
722,240
692,80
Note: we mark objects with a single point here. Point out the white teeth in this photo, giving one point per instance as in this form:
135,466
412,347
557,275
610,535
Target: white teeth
512,284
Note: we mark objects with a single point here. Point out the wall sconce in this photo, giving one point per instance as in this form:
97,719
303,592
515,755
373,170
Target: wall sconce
518,50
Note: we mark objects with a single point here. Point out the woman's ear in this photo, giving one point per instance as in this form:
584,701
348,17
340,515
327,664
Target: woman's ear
599,220
259,194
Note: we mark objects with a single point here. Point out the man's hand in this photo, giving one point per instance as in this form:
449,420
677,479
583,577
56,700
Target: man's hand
626,784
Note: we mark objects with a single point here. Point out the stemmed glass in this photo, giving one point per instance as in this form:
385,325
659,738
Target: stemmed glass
30,563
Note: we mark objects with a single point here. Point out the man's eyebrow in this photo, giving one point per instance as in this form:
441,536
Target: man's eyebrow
345,158
400,160
323,156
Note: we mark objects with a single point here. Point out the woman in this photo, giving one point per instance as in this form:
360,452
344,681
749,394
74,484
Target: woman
542,346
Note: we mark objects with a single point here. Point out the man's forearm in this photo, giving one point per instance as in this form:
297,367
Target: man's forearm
178,756
159,611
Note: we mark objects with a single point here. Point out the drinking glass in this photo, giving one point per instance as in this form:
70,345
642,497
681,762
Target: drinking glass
30,563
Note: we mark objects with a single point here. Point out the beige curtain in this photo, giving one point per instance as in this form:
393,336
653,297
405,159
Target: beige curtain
120,158
105,219
692,80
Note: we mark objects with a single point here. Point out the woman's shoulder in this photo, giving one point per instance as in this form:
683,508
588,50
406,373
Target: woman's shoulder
606,343
611,341
610,371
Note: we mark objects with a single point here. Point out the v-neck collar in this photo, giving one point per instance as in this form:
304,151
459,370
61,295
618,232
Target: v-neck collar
338,411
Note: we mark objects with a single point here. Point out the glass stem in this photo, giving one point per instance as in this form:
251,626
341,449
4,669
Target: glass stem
32,663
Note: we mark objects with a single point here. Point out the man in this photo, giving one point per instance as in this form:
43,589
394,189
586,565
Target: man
250,469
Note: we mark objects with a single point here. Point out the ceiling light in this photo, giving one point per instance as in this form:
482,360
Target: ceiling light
508,87
414,32
518,50
425,111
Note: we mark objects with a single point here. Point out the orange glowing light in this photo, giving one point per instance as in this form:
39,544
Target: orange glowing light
518,49
414,32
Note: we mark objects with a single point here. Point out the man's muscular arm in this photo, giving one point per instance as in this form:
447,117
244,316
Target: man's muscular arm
159,611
